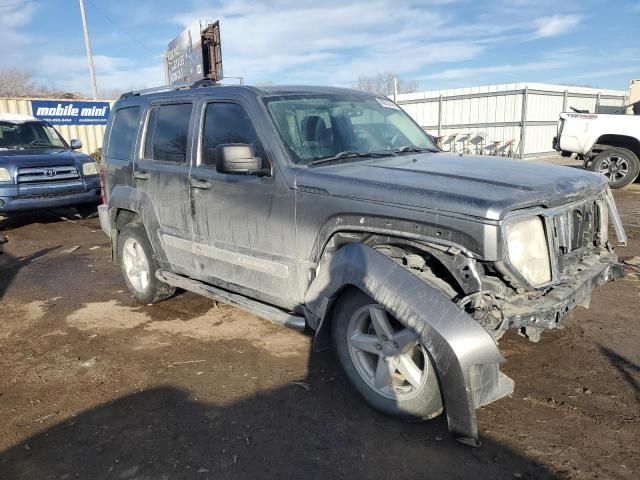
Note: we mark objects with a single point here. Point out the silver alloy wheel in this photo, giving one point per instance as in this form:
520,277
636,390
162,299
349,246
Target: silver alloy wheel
614,167
136,265
390,360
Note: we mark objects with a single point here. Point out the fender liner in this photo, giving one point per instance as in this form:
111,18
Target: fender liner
134,200
466,357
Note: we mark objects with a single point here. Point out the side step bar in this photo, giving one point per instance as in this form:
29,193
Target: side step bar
260,309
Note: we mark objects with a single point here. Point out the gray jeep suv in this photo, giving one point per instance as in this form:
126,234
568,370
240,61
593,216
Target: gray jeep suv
331,209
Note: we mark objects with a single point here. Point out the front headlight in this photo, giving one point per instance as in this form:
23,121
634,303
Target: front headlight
528,251
5,176
89,168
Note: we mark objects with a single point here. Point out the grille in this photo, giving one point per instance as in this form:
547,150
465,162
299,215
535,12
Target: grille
578,229
47,174
33,196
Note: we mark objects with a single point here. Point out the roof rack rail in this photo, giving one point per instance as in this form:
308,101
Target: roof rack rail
162,88
203,82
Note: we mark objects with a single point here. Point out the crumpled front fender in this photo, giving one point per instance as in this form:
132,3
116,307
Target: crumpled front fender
465,355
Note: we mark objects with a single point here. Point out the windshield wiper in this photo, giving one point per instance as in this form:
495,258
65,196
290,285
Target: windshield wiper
351,154
408,148
41,145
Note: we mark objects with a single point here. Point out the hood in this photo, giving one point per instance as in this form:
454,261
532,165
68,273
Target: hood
479,186
40,157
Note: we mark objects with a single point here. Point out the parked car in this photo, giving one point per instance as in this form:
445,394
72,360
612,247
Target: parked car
38,169
331,209
609,143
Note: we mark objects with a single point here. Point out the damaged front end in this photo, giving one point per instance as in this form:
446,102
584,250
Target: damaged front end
532,313
581,258
460,330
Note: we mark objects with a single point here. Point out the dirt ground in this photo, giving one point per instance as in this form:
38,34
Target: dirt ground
95,386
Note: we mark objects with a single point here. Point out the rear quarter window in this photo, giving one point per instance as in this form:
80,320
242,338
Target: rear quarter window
123,133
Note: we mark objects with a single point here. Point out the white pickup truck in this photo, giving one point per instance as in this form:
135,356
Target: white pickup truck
609,142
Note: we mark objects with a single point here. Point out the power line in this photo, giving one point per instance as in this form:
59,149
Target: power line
118,27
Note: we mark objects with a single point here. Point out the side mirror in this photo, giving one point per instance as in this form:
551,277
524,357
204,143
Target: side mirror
75,144
238,158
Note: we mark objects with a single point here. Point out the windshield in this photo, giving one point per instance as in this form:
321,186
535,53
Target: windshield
26,135
316,127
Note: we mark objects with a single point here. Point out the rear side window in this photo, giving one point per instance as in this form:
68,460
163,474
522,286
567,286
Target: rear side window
123,132
226,123
168,133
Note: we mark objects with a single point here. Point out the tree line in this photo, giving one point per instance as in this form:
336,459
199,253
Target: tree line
17,82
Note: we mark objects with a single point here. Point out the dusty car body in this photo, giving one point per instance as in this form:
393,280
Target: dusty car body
38,169
314,224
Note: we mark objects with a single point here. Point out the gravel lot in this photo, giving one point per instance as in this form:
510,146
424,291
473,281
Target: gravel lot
93,385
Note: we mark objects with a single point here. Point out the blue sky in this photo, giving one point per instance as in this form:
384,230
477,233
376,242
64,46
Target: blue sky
441,43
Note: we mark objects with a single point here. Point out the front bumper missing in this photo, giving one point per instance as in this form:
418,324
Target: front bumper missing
547,311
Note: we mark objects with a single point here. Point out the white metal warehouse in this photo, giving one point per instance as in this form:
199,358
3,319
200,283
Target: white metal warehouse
526,113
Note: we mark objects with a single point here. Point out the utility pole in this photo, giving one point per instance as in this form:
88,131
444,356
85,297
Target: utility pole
395,88
87,44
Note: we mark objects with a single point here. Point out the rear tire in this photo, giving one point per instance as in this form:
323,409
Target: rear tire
139,265
413,395
619,165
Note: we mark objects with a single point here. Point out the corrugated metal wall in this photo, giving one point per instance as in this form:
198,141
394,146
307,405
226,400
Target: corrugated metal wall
501,112
90,135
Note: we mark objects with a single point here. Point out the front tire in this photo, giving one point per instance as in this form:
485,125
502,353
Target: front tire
139,265
619,165
383,360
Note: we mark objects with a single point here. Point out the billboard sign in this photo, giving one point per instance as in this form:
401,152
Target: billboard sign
194,54
212,51
71,112
184,56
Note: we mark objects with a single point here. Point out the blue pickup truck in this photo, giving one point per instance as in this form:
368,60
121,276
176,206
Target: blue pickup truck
38,169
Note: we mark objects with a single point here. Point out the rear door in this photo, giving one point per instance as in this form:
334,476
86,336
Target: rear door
162,173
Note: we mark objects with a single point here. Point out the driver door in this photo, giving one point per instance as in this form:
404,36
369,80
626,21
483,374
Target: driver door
243,223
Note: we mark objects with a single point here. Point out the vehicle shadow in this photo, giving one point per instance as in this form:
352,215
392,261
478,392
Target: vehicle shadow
44,216
10,266
629,370
316,429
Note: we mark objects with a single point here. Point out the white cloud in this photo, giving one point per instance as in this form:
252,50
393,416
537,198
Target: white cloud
71,73
304,41
556,25
628,72
13,21
333,42
557,60
475,72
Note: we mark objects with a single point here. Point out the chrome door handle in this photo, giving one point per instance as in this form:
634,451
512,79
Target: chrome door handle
201,184
141,175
